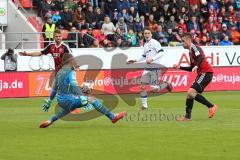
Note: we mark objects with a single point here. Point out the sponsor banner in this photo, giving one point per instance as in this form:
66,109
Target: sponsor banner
123,81
95,78
14,84
39,83
225,78
3,12
116,58
128,81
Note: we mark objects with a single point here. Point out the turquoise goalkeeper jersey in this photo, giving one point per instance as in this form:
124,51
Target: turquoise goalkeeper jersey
66,84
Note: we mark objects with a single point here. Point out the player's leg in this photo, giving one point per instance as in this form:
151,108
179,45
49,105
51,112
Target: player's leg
54,118
200,84
145,79
65,108
189,105
195,93
157,85
104,110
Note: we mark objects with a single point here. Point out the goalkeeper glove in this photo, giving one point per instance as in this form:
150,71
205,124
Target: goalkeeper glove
88,107
46,105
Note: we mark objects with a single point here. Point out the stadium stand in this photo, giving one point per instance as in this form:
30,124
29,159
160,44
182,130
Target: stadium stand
27,4
195,16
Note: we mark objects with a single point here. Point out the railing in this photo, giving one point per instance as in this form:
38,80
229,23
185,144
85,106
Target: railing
22,39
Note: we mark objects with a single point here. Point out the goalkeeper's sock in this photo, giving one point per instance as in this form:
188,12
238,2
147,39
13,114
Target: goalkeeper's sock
203,100
144,98
101,108
53,118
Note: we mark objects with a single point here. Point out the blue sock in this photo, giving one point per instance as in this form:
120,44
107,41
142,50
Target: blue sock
53,118
104,110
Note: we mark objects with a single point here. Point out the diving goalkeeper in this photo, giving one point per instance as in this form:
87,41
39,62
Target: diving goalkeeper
70,96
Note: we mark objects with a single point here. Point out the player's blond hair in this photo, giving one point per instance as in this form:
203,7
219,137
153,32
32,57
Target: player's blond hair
57,31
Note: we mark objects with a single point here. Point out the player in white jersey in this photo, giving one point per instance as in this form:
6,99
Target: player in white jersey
152,72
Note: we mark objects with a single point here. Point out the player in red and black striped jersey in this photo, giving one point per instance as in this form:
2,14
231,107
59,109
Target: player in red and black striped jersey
57,52
204,71
57,49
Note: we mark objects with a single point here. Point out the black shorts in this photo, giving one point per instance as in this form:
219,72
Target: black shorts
201,81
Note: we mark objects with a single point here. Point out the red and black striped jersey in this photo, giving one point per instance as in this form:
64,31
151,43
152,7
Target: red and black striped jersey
204,66
57,52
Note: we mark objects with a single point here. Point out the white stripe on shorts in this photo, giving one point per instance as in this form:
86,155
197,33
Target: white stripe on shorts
201,78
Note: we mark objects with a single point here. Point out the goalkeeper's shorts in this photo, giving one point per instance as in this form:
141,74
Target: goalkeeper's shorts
72,102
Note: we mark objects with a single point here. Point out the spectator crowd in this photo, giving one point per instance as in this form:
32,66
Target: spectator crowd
120,23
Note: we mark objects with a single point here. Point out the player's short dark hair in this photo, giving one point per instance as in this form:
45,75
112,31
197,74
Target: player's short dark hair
187,35
57,31
67,57
147,29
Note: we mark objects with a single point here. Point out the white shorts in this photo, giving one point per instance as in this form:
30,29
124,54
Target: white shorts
151,77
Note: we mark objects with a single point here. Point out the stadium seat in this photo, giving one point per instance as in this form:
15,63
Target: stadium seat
64,34
96,32
27,4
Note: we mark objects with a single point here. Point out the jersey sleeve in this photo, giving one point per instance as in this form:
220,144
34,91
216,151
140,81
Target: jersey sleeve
73,78
196,50
159,50
67,49
74,83
157,46
46,50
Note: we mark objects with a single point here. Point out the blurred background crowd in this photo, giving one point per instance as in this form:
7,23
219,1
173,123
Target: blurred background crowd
120,23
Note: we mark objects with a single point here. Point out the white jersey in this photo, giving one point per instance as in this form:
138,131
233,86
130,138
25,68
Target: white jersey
153,50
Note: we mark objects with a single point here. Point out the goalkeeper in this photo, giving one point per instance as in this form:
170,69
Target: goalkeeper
70,96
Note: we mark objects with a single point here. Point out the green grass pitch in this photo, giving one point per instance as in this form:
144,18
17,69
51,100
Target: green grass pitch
133,138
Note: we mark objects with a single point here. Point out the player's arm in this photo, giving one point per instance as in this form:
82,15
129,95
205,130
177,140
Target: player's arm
33,54
159,50
199,59
158,55
45,51
189,69
73,82
48,102
143,57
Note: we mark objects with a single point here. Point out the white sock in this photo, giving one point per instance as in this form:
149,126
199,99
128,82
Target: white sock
144,102
144,99
160,87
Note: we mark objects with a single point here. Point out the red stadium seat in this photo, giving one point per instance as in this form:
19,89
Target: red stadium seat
27,4
96,32
64,34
